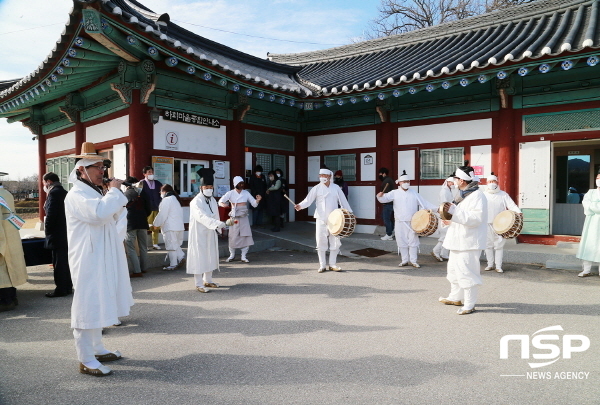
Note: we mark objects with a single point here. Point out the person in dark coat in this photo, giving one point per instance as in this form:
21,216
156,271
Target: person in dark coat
338,178
55,228
258,186
284,190
274,197
151,190
138,210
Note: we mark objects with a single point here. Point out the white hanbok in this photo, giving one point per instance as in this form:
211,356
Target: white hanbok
203,245
497,201
589,247
172,227
465,239
97,257
445,195
327,200
240,233
406,204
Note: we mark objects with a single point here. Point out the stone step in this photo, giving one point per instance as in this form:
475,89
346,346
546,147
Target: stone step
568,245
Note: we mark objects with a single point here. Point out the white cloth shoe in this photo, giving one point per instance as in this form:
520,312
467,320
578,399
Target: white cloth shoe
499,271
436,257
488,268
230,258
245,260
387,237
403,264
584,274
416,265
156,247
321,270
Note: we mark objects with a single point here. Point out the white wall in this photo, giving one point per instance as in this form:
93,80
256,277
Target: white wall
106,131
481,155
362,201
191,138
347,140
292,170
62,142
314,164
119,163
451,131
368,172
248,165
430,193
406,161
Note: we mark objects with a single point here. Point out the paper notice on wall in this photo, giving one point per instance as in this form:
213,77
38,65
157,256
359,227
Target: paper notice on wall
163,169
222,189
478,170
219,169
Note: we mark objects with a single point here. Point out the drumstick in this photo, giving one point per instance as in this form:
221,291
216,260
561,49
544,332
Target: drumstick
385,188
293,203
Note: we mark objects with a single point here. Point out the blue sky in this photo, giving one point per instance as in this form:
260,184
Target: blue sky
29,30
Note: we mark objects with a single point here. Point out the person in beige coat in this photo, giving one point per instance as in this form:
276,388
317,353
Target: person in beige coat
13,272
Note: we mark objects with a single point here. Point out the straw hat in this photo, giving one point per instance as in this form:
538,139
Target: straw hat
88,151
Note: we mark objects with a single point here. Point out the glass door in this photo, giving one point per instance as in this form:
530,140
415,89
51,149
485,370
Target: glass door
189,180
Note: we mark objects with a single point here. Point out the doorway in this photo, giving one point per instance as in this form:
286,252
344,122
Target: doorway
575,166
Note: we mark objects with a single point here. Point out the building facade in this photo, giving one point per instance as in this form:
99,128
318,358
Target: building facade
516,92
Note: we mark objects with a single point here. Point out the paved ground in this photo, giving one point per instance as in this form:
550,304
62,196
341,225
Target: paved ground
280,333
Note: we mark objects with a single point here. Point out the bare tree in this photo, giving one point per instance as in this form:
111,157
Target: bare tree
399,16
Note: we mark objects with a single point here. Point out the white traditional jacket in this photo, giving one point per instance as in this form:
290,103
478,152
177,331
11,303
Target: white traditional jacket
203,245
468,229
327,199
406,203
498,201
170,215
589,247
97,256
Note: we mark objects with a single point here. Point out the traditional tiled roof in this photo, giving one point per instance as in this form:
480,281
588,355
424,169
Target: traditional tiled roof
5,84
245,67
530,31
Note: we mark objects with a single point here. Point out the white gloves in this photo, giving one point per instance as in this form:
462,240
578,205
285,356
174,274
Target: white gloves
221,225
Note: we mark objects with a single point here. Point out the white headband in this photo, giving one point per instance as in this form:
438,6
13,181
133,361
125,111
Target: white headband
237,180
450,179
462,175
492,177
81,163
326,171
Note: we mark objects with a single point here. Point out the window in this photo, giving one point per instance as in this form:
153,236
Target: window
439,163
345,163
62,167
271,162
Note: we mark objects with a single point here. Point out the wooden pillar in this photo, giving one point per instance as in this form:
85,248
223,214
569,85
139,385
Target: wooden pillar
506,155
386,143
79,136
42,169
301,146
141,136
236,148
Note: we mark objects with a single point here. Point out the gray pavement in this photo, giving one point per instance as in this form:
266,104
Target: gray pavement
278,332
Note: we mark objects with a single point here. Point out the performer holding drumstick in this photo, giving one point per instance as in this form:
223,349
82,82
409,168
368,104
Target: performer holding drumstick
406,203
327,196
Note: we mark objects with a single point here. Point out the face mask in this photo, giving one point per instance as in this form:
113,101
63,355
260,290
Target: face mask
46,187
492,186
405,185
381,177
162,195
258,174
208,192
278,174
597,182
150,177
323,179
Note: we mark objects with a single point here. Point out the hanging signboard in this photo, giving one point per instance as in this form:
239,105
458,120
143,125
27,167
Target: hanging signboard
163,169
191,118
